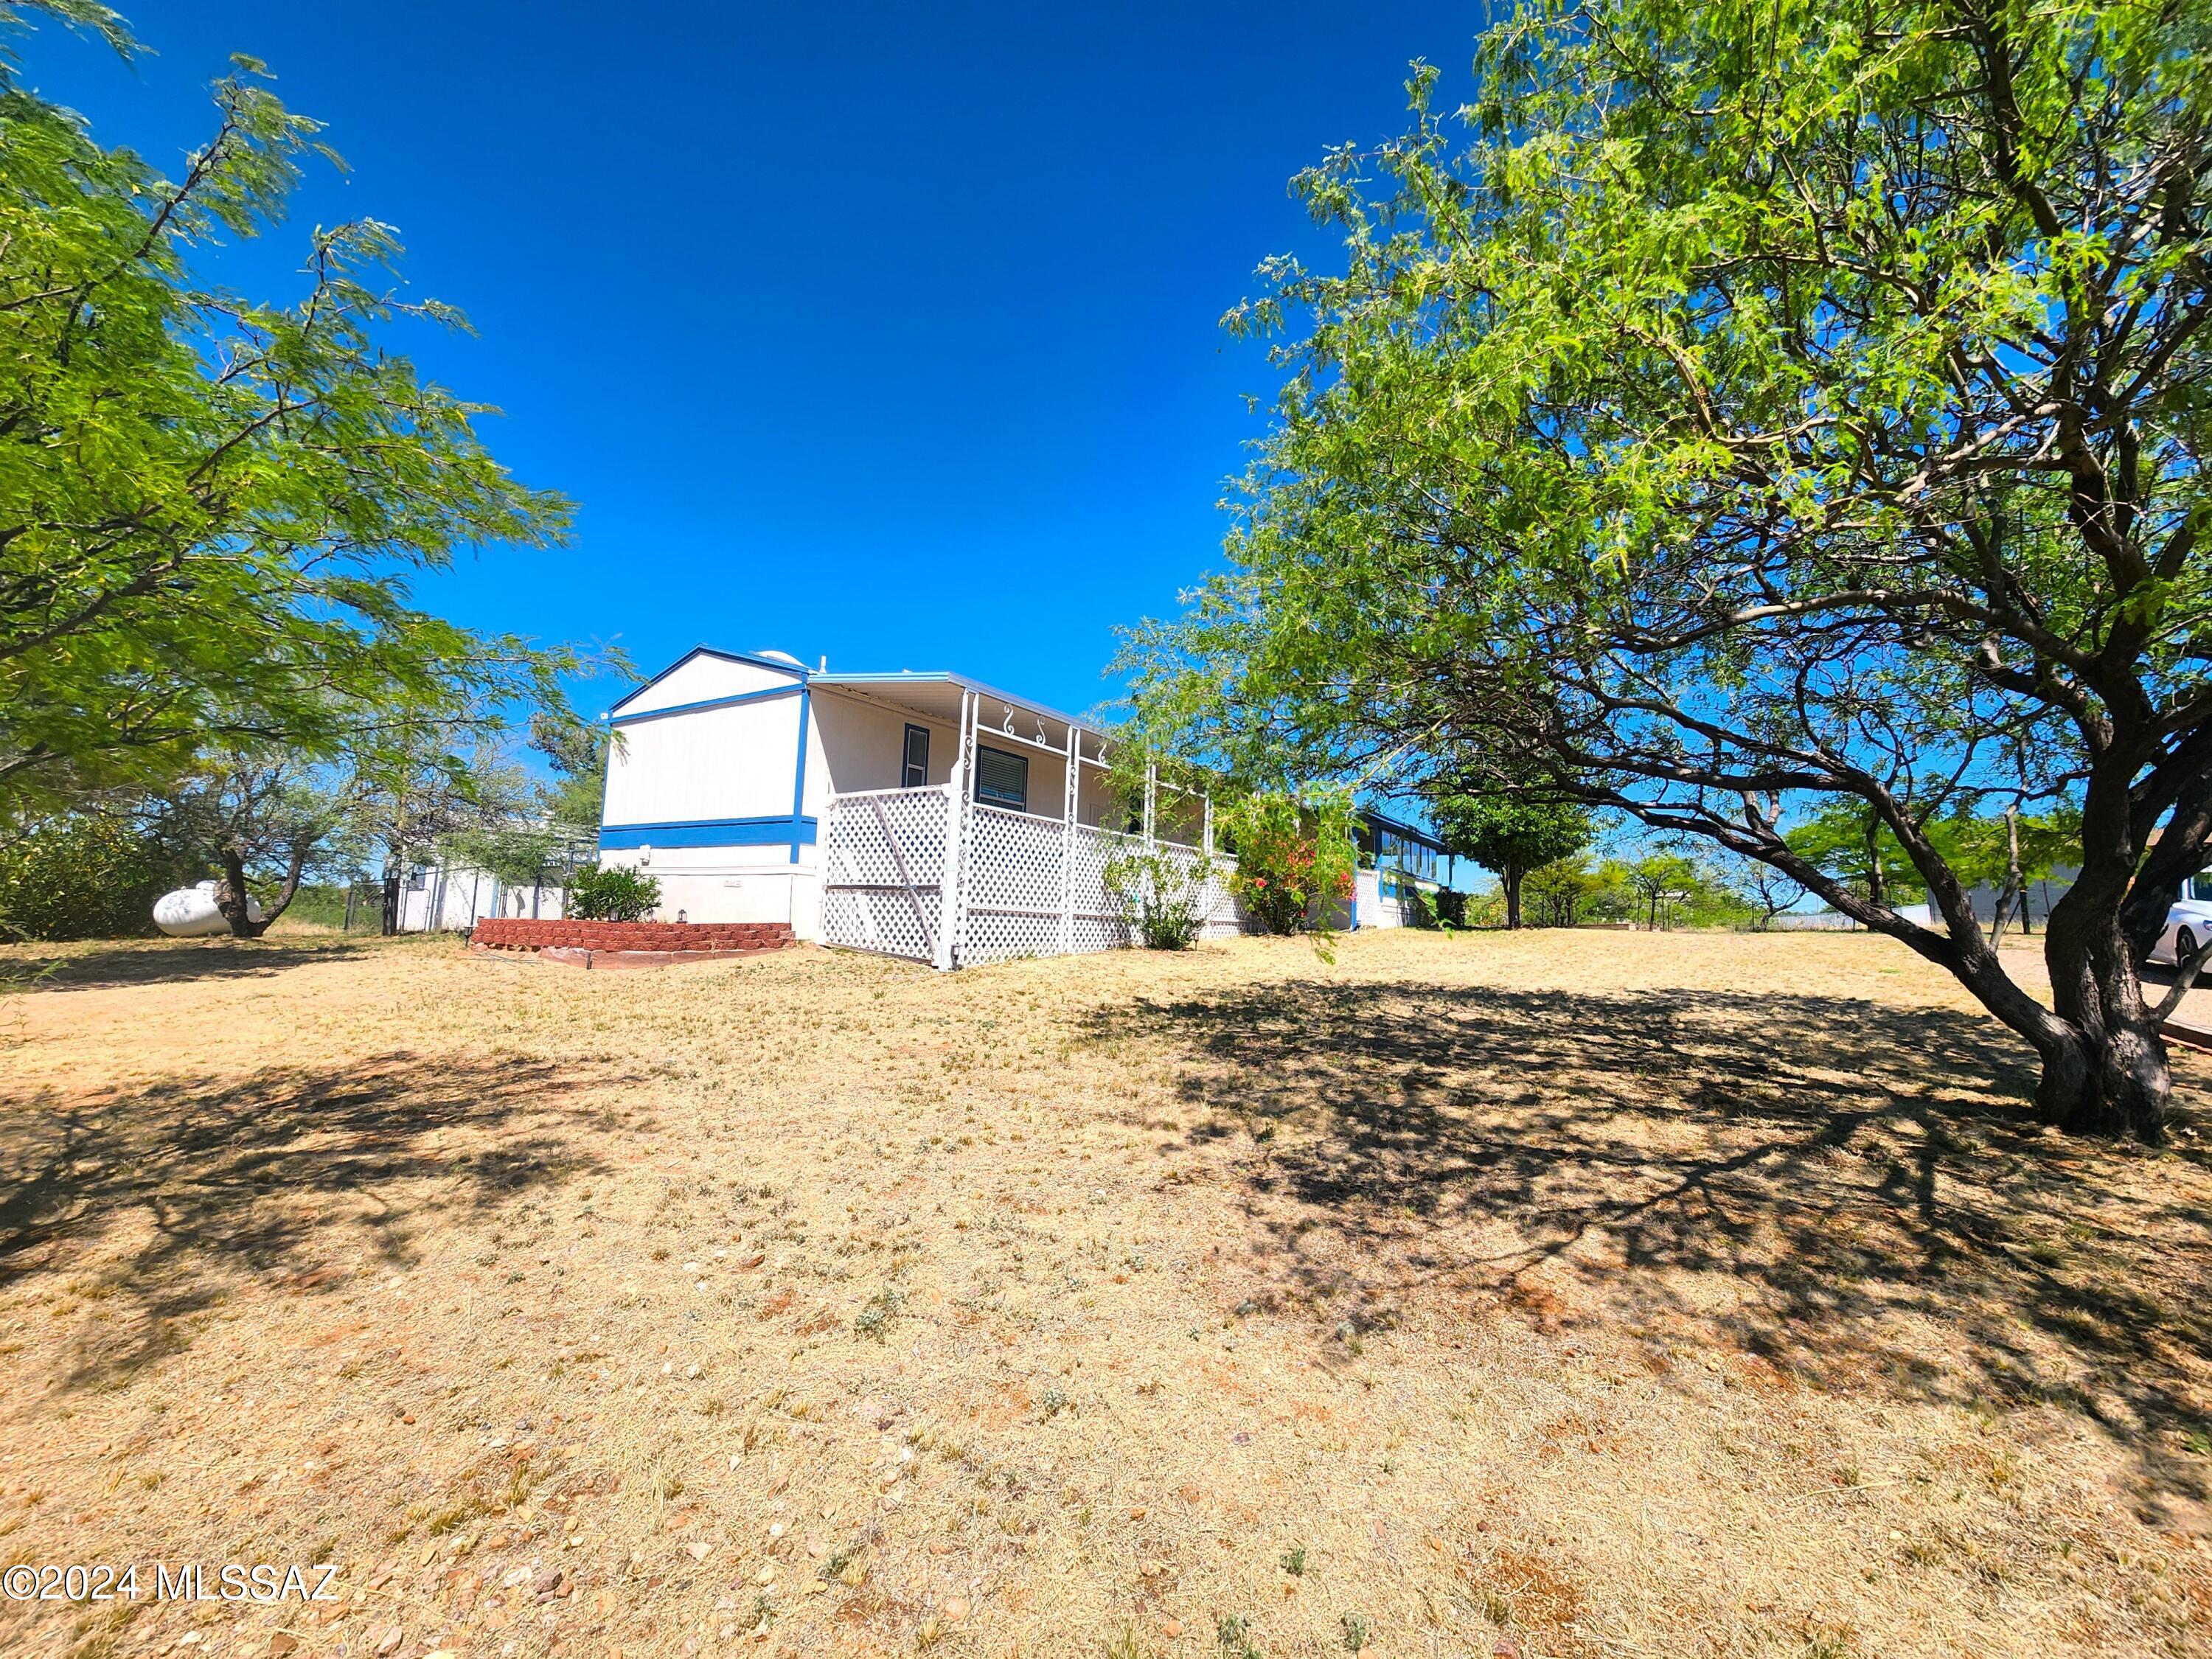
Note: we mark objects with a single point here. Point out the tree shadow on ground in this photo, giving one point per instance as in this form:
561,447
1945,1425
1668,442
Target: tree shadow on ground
160,1202
1853,1193
167,962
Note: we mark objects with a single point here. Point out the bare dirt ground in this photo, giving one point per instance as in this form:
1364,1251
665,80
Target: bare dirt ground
1563,1295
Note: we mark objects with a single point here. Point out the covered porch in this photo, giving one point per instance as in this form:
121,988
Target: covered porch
961,825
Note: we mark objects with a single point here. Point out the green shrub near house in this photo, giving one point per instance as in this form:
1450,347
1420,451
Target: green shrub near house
614,894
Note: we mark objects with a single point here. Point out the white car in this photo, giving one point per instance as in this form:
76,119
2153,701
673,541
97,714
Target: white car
2188,924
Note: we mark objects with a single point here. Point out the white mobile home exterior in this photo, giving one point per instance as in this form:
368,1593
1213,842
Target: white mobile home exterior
920,814
754,789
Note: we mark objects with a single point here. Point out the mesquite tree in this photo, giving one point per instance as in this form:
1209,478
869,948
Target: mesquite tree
1738,408
211,506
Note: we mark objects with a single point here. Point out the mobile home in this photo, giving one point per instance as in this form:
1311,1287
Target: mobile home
925,815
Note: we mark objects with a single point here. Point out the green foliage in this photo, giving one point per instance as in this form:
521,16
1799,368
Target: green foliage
1662,890
1486,910
518,854
1162,895
1553,894
413,791
320,904
1661,882
211,506
1849,840
1421,904
615,893
1667,889
265,818
577,753
1734,406
1980,847
88,875
1510,835
1288,857
1612,896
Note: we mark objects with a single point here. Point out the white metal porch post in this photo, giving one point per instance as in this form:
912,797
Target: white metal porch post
1151,799
955,828
1067,842
1206,839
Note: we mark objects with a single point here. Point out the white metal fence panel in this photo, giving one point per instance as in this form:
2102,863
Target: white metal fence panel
883,871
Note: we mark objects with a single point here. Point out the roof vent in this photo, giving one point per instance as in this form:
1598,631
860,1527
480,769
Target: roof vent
782,656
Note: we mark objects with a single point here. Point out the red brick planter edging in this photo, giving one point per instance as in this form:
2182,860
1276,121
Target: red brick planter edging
519,934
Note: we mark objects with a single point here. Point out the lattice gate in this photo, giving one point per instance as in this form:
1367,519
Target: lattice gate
883,871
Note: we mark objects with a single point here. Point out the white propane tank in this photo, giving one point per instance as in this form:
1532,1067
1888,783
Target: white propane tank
190,912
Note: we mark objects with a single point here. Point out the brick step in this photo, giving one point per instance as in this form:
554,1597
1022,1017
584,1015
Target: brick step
521,934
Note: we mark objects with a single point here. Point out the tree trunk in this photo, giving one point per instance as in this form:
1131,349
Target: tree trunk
232,899
2000,910
1510,879
2106,1072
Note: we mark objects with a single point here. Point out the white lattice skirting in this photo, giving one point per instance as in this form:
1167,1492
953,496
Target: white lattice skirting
1026,886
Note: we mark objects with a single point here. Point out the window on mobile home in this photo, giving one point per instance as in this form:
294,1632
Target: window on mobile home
1002,779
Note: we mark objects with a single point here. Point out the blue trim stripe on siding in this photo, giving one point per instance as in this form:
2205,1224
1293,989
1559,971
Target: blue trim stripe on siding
709,832
731,702
798,779
768,663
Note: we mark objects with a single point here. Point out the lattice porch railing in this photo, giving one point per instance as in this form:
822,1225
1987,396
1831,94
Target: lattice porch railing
1027,886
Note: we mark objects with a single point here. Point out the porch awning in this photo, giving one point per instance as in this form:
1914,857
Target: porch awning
937,693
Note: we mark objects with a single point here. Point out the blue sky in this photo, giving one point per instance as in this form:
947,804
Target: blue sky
888,333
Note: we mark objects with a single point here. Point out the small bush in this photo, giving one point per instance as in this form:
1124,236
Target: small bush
615,893
1451,907
1162,895
87,876
1485,909
1421,904
1289,856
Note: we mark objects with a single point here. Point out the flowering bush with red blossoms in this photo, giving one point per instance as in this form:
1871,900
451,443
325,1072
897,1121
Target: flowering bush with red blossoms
1288,855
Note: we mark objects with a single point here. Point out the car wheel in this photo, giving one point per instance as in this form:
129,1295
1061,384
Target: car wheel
2184,946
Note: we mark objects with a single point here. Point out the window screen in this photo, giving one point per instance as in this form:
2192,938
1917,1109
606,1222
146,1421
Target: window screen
916,772
1002,779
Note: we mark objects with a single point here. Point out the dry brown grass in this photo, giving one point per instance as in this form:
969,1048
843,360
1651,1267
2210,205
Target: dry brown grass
1567,1295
